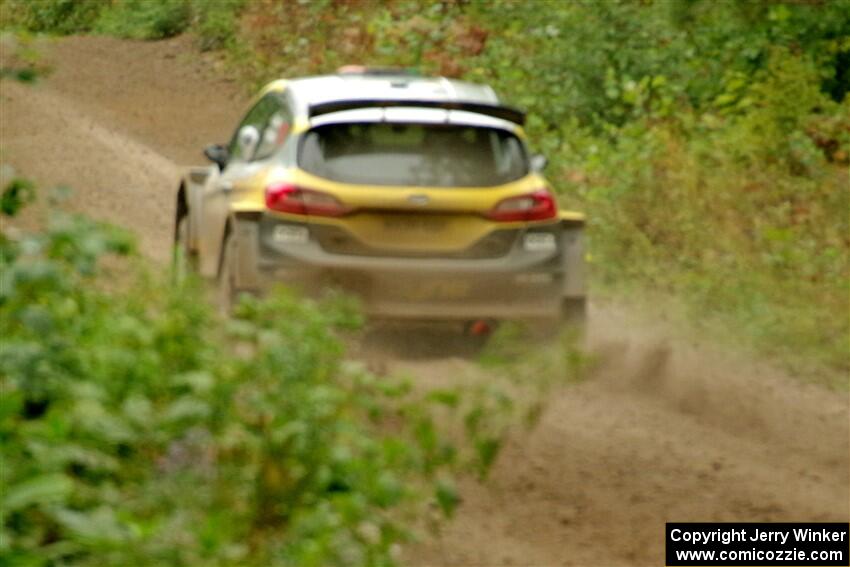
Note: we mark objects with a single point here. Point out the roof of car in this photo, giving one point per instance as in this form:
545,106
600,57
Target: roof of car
393,88
358,87
311,91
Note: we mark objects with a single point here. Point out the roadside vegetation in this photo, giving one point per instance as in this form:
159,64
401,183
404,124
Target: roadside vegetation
708,141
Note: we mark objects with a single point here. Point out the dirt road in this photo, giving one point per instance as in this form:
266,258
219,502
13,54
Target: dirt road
664,430
114,121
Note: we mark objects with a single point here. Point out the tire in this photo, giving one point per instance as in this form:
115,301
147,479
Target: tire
183,259
226,282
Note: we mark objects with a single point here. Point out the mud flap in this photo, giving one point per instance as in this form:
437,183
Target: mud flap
193,187
572,244
247,276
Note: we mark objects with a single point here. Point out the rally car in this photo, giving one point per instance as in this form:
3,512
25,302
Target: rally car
417,194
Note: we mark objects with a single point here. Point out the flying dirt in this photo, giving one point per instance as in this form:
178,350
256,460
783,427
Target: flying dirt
664,429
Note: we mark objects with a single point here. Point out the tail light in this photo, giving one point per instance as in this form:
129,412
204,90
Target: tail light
539,205
288,198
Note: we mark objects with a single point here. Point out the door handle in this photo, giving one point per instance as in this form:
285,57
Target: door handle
226,186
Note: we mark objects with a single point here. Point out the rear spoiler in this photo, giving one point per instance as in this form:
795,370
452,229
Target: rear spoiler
504,112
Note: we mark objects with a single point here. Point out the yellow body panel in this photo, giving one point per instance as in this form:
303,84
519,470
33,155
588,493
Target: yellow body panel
385,217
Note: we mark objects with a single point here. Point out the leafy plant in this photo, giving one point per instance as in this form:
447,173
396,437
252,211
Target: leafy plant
55,16
145,19
216,22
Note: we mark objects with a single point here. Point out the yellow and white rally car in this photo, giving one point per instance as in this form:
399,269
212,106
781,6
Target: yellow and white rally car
416,194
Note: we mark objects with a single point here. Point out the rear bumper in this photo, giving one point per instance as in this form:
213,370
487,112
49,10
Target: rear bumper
521,284
430,295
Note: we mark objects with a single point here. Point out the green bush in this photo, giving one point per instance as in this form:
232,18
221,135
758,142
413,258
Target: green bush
739,218
54,16
144,19
216,22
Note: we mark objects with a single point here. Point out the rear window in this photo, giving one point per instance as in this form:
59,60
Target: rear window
413,154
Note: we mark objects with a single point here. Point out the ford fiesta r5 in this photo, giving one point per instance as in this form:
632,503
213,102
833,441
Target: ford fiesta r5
418,195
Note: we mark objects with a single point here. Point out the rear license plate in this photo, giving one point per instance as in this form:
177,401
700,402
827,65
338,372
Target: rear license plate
434,290
424,225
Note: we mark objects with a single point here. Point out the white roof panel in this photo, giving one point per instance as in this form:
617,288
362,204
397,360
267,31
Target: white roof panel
329,88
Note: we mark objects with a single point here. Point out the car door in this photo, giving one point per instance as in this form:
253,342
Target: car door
249,151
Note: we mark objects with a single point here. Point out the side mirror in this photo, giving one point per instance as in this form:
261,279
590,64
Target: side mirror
538,162
248,139
217,154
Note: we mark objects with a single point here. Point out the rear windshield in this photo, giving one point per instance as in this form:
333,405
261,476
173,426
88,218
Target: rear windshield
413,154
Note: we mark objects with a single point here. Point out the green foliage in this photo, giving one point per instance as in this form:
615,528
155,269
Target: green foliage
17,194
55,16
746,229
144,19
216,22
617,61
